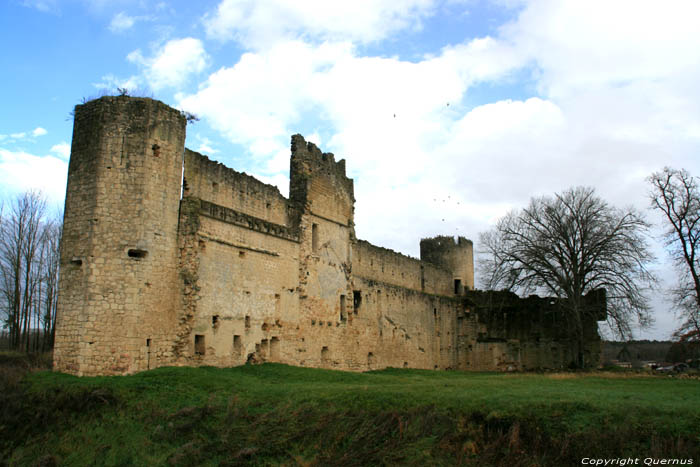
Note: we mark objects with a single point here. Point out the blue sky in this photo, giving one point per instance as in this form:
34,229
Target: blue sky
449,113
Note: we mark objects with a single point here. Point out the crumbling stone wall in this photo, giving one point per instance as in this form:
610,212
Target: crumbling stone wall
232,272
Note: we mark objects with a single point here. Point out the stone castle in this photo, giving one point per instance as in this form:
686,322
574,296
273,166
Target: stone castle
170,258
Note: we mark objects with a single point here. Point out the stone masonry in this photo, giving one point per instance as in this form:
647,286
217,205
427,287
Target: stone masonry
170,258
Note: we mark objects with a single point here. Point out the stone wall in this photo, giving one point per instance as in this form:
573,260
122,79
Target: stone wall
118,291
187,262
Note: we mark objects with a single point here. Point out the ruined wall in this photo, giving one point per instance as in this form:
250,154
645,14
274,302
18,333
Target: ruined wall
214,182
119,245
234,272
243,285
509,332
384,265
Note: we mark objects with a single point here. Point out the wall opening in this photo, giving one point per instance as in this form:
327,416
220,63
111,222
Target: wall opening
148,342
343,311
215,321
199,346
324,354
458,286
278,304
264,348
356,300
76,261
314,237
237,344
275,348
137,253
241,254
247,321
371,359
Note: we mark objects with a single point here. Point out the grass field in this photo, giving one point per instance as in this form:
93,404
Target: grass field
275,414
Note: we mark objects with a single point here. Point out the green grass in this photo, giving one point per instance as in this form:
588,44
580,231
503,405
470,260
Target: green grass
276,414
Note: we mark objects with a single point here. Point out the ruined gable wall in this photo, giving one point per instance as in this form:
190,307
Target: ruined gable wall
214,182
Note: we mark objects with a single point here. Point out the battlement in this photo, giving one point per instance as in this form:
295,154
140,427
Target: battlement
453,254
318,183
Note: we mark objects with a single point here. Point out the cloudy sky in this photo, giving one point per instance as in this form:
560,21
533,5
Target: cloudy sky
449,113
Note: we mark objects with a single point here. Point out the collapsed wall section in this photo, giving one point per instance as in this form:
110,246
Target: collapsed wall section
509,332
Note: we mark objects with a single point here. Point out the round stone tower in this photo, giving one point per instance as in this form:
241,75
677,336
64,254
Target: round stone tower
453,254
119,300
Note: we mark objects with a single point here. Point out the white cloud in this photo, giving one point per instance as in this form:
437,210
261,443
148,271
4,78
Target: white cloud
20,171
204,145
121,22
173,64
45,6
21,135
111,83
261,24
61,149
39,131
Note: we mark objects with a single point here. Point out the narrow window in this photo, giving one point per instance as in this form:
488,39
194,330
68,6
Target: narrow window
237,346
148,342
278,304
356,300
76,261
324,354
314,237
215,320
247,322
343,311
199,344
458,286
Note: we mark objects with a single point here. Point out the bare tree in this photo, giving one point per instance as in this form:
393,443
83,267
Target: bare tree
676,194
567,246
28,271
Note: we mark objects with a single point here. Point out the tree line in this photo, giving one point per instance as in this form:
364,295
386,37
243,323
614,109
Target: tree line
573,243
29,266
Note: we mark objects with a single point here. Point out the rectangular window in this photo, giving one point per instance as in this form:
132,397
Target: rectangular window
314,237
275,348
247,322
343,311
356,300
237,345
199,346
458,286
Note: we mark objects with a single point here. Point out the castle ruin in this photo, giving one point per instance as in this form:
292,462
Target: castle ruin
170,258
